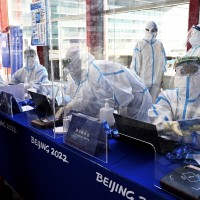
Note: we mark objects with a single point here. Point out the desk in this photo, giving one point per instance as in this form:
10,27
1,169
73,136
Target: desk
29,164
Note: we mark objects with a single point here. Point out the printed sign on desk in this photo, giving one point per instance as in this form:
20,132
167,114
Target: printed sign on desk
8,104
86,135
38,12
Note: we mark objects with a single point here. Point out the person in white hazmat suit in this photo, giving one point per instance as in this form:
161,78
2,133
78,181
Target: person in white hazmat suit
181,102
194,39
149,60
98,80
32,72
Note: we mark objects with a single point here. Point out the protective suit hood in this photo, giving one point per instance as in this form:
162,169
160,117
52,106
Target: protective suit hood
194,35
30,58
78,61
151,31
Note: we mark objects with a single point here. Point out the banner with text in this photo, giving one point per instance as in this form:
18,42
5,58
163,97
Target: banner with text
39,26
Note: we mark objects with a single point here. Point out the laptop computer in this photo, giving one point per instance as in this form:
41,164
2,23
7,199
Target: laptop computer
8,104
143,131
44,111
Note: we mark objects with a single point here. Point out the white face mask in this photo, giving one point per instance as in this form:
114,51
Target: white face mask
194,38
76,75
155,34
30,62
151,36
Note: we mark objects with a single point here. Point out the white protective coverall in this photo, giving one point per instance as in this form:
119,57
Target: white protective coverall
194,40
98,80
182,102
149,60
32,71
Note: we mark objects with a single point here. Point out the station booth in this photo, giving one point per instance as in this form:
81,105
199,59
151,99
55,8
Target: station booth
80,155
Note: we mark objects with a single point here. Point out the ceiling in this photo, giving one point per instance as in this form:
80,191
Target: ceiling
133,5
144,2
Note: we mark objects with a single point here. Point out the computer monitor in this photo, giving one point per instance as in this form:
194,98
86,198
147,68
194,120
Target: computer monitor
42,104
44,111
143,131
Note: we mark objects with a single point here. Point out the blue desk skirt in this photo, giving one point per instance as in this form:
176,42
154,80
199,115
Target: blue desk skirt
42,168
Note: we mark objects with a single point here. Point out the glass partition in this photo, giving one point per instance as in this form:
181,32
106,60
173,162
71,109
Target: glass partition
133,158
123,25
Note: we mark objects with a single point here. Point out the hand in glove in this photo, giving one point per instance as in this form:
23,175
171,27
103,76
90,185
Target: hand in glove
173,126
59,113
64,110
26,87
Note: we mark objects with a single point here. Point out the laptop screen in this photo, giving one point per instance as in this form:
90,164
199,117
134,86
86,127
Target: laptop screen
143,131
137,129
42,104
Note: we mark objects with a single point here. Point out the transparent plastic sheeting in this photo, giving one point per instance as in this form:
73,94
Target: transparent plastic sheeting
133,158
87,135
17,90
177,169
62,98
12,99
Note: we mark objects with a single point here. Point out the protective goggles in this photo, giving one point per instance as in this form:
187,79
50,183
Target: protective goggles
153,30
196,27
66,62
29,53
67,65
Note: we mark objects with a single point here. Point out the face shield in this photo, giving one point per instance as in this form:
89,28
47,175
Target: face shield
66,65
73,70
187,66
29,53
187,69
187,77
30,58
74,63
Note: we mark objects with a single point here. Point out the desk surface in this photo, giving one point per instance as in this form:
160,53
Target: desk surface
41,167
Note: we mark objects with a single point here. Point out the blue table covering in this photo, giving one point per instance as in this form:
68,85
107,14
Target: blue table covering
41,167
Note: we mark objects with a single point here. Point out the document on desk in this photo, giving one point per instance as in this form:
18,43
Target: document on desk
26,108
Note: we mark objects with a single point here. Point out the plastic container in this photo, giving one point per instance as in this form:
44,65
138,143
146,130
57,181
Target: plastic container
106,113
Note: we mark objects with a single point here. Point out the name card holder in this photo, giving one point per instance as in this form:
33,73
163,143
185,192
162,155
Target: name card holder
88,136
8,104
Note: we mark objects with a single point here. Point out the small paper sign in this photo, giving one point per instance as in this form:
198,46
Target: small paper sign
86,135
